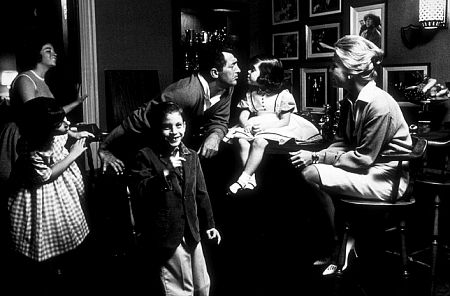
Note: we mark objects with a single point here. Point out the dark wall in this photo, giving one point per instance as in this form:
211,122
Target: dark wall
133,35
136,34
401,13
398,13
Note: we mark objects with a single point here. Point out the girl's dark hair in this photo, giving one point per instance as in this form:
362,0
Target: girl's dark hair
39,118
159,111
271,72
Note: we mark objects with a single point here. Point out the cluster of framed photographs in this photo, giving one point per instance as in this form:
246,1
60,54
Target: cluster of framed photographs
315,83
367,21
319,39
318,43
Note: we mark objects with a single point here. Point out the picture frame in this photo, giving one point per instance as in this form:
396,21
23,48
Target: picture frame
314,85
324,7
374,16
320,40
397,77
285,45
289,80
284,11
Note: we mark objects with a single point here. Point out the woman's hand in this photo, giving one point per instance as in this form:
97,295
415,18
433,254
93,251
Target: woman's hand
82,98
301,159
214,233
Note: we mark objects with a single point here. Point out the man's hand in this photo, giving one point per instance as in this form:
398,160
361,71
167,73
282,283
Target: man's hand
109,160
82,134
210,146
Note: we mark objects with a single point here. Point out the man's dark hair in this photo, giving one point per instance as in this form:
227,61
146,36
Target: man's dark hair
210,55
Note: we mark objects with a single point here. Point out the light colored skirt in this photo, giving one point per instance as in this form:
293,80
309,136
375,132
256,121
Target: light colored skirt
299,129
372,184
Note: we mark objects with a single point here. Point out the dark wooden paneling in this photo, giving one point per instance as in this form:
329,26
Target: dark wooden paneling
126,90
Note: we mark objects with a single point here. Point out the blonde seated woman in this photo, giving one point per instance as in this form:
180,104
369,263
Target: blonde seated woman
267,113
372,124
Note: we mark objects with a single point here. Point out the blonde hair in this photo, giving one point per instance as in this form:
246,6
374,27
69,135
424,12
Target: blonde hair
359,56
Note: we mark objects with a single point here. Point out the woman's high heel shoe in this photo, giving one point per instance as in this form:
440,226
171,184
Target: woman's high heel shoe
350,246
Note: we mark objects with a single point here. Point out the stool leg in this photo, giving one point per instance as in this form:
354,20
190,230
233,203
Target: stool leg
435,243
404,254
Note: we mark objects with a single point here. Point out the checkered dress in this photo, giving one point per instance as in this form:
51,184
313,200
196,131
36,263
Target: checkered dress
47,218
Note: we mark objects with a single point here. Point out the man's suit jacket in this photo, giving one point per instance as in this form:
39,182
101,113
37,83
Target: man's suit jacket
189,94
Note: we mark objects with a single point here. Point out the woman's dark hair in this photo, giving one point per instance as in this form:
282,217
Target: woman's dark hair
39,118
159,111
30,53
271,72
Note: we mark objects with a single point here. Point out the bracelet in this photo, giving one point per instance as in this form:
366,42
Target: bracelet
315,157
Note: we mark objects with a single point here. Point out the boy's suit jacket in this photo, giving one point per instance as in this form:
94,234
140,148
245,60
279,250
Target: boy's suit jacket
165,205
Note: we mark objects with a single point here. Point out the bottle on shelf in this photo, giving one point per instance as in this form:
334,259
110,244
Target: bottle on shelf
326,123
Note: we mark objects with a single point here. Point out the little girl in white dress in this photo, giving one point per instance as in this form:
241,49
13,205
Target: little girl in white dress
267,114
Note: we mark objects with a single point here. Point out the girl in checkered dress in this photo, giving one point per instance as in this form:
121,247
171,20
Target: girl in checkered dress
46,218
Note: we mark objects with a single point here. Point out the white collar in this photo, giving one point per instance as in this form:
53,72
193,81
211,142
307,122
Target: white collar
364,94
38,77
205,85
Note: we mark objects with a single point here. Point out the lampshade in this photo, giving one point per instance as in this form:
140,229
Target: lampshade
433,13
6,77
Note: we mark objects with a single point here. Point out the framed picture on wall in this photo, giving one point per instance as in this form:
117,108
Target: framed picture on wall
314,85
320,40
289,80
397,77
324,7
369,22
284,11
285,45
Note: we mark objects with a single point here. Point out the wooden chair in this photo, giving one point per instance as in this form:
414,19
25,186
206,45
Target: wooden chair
398,207
435,180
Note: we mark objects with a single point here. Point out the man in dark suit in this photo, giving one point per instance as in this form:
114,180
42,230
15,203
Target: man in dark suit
205,97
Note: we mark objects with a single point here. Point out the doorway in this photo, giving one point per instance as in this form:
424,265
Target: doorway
56,21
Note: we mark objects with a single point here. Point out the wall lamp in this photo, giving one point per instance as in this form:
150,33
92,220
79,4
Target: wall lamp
7,77
432,16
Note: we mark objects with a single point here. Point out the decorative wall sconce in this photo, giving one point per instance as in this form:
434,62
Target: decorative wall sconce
432,16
